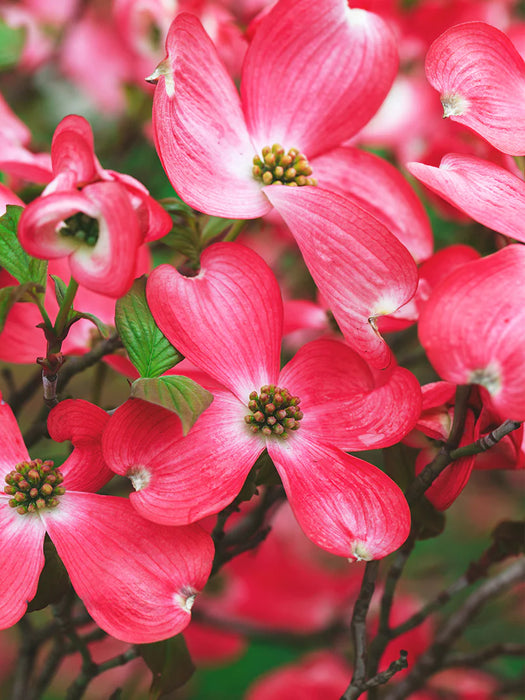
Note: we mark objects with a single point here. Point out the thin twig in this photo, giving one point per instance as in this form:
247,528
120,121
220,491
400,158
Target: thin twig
478,658
74,365
432,660
358,628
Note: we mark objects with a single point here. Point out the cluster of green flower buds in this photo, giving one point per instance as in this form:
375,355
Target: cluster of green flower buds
274,411
279,168
34,486
82,228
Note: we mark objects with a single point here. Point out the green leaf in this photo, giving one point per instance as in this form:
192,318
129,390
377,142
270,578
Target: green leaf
103,329
13,257
12,40
179,394
73,316
6,302
12,294
60,289
215,226
170,662
148,348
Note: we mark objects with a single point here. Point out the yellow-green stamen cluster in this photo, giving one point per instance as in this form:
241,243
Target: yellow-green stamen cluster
274,411
82,228
279,168
34,486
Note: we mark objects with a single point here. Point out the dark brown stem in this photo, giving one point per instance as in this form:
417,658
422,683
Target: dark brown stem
75,365
432,660
358,629
431,472
478,658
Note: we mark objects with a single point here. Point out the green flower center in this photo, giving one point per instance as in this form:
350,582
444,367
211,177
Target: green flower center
34,486
82,228
279,168
274,411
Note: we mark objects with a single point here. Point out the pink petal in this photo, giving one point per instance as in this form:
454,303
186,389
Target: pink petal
8,197
227,320
40,220
17,160
13,448
451,482
199,127
83,424
315,73
381,190
136,579
343,402
138,434
469,340
344,505
154,220
361,269
481,79
21,561
486,192
194,477
72,150
300,314
109,267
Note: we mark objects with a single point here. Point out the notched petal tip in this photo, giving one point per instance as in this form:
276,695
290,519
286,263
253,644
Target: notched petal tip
185,598
360,553
163,69
454,105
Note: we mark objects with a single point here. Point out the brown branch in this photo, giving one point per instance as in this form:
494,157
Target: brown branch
431,472
432,660
358,628
478,658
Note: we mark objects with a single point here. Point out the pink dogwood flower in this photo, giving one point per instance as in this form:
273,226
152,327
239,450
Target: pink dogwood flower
303,95
137,580
96,218
472,328
228,322
481,80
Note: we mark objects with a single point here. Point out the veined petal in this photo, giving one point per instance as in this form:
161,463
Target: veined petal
485,191
344,505
199,127
198,475
109,266
73,150
41,219
344,402
17,160
13,448
137,436
227,320
83,423
315,73
154,220
380,189
361,269
481,79
21,561
136,579
472,328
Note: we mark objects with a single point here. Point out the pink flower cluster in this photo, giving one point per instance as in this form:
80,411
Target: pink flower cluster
313,76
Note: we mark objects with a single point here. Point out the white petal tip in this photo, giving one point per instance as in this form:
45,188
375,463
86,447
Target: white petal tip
185,599
139,477
360,553
454,105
